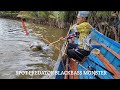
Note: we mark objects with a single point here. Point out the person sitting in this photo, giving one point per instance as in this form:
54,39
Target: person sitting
73,50
77,53
82,25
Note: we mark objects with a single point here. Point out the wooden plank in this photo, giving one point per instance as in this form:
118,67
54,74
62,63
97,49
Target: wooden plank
109,66
94,42
110,50
73,67
66,68
100,63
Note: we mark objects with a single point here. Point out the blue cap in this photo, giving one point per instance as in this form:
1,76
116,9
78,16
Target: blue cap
83,14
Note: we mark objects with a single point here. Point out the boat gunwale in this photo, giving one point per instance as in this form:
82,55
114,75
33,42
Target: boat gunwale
106,38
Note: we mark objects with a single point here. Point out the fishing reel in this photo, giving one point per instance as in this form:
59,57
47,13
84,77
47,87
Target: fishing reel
73,35
77,34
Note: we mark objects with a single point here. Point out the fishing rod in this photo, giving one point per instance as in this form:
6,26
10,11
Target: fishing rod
64,53
67,36
53,42
49,43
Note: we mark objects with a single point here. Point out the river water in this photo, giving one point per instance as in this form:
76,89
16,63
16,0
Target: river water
15,52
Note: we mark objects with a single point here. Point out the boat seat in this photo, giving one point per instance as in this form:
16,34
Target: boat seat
110,50
73,67
106,62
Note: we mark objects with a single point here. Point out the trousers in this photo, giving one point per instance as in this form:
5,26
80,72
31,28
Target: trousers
73,51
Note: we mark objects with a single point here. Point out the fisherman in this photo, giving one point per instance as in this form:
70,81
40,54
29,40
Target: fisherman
82,25
73,50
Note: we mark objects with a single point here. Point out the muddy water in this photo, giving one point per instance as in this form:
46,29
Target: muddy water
15,52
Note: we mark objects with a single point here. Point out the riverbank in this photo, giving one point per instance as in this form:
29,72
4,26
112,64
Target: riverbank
59,19
103,21
16,54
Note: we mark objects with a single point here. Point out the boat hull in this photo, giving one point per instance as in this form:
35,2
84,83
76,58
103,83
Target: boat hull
107,59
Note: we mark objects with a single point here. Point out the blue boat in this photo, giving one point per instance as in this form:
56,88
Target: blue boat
105,65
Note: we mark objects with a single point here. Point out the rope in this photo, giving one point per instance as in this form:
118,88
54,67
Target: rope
54,42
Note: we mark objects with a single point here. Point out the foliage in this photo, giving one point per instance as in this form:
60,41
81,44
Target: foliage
63,19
